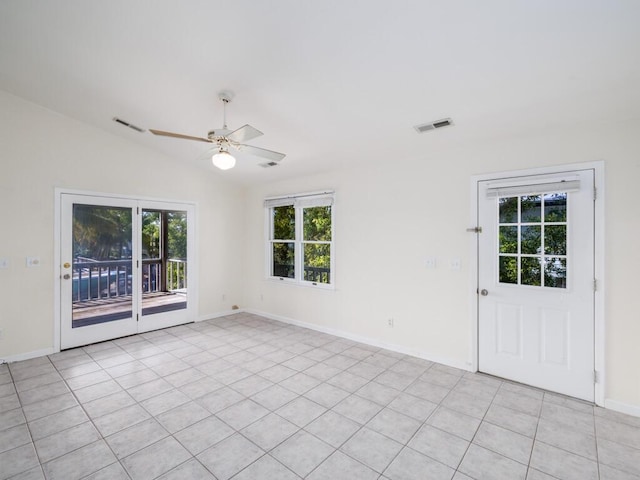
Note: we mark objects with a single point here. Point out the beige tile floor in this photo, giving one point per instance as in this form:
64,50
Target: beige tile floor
245,397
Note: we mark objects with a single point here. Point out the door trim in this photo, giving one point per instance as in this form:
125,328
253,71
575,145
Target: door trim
599,262
57,243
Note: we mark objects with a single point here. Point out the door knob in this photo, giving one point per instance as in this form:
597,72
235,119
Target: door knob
484,292
66,276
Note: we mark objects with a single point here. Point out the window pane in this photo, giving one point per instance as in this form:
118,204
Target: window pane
102,264
164,261
284,223
176,268
150,234
317,262
531,274
284,260
555,207
177,235
555,239
509,239
508,269
317,224
555,272
508,209
530,208
531,242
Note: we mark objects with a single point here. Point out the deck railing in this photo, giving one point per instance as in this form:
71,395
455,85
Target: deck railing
316,274
94,280
310,274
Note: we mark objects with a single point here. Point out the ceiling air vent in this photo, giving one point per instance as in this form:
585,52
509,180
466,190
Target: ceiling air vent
426,127
127,124
268,164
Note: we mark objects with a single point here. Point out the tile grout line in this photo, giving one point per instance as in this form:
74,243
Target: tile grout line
241,336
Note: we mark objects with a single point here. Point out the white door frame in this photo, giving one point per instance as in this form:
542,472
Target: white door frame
57,242
599,263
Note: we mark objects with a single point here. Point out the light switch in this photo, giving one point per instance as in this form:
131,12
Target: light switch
33,261
4,263
430,262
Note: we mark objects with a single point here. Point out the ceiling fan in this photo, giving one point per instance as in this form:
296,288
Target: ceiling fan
223,138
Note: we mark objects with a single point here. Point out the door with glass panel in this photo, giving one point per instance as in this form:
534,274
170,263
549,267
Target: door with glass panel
98,274
124,267
166,250
536,281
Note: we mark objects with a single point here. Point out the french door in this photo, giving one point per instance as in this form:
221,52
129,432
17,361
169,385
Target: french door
536,281
124,267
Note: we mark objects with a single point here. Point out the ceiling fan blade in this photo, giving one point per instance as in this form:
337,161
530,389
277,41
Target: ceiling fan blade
260,152
179,135
244,134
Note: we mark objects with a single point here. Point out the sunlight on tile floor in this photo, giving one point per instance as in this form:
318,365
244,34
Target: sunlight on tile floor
248,398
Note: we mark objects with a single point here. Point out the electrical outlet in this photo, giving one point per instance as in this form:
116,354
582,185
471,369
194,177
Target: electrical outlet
4,263
455,264
390,322
430,262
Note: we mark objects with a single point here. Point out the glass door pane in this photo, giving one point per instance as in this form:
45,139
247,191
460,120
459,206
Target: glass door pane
164,261
102,266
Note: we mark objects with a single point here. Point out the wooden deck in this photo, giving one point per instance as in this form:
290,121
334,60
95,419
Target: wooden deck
116,308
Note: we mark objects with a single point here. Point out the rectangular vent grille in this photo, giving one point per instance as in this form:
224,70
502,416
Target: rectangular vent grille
426,127
127,124
268,164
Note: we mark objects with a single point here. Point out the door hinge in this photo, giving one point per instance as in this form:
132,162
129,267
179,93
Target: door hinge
474,230
595,193
595,285
137,263
137,317
596,377
138,210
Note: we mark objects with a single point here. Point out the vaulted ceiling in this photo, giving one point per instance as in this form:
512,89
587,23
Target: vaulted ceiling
331,83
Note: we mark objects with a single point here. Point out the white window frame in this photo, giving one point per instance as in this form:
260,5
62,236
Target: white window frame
299,202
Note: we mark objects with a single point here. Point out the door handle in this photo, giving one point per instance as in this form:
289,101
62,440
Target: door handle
484,292
66,276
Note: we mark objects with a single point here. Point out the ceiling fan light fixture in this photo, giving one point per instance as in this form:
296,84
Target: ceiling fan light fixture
223,160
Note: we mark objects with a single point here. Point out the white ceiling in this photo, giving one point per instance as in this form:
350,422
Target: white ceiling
331,83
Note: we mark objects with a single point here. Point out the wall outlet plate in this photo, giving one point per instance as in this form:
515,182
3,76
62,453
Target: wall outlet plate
4,263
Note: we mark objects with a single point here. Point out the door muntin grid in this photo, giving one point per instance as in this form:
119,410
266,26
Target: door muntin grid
532,240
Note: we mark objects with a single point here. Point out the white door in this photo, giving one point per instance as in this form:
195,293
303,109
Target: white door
98,275
166,264
124,267
536,281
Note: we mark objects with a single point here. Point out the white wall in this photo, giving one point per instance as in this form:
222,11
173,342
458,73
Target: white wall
41,150
395,215
389,219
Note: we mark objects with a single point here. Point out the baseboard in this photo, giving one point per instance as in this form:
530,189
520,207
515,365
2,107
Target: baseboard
622,407
211,316
27,355
366,340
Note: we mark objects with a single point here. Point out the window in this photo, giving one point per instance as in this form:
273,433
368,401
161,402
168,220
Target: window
300,240
533,221
532,240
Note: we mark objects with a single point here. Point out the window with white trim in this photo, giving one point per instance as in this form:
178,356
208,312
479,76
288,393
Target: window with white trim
300,239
